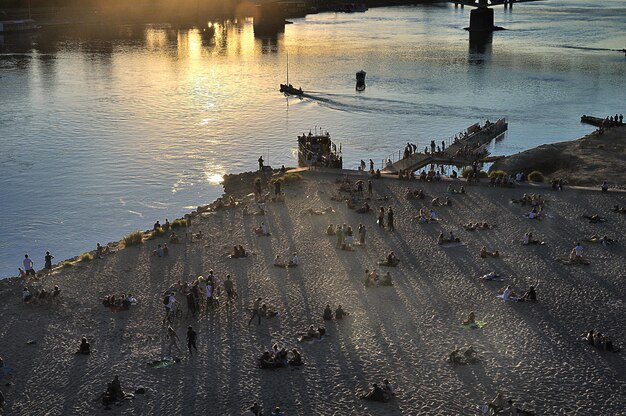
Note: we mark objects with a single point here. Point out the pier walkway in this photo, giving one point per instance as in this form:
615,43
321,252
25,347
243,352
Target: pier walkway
463,152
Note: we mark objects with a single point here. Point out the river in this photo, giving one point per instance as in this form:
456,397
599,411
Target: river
104,129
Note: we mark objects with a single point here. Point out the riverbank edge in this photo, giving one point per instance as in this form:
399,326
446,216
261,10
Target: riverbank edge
236,183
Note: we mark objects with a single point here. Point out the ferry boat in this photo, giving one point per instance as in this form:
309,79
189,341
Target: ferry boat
317,149
17,26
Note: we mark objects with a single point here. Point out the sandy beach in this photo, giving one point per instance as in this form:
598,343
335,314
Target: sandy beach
531,352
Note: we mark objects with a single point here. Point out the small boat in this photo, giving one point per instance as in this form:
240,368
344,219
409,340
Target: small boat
289,89
360,80
317,149
18,26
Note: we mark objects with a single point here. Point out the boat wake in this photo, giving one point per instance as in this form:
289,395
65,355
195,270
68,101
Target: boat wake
352,103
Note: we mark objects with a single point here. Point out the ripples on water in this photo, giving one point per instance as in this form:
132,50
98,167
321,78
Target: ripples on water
105,129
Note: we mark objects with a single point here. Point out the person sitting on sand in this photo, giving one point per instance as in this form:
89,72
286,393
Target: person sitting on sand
455,357
313,333
604,240
42,295
594,219
509,294
386,280
576,255
340,313
330,230
158,252
266,360
471,319
328,313
484,253
364,209
528,239
436,202
498,403
102,251
278,262
376,394
530,295
55,292
84,347
470,355
391,259
26,295
616,208
433,216
117,388
295,260
267,312
490,276
261,230
296,358
174,238
389,389
198,235
157,226
166,250
277,412
447,202
108,397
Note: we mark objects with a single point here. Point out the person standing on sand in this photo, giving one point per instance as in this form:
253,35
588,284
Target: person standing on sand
381,217
362,233
369,188
191,339
173,337
48,262
256,311
228,286
390,219
28,266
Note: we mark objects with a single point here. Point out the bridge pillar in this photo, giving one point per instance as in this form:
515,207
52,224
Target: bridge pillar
481,20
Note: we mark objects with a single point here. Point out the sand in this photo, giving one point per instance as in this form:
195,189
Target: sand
531,352
587,161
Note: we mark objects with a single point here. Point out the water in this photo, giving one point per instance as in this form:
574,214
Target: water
103,130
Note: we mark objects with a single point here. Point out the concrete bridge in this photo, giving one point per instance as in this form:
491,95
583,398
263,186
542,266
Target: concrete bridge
481,18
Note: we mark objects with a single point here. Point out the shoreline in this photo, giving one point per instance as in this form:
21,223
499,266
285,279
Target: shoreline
519,161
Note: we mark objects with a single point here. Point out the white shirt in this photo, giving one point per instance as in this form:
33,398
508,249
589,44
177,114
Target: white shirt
526,239
579,250
531,215
171,302
295,259
209,291
264,228
433,215
28,263
506,294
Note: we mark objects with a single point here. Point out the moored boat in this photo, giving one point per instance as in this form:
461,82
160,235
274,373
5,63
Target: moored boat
318,150
360,80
